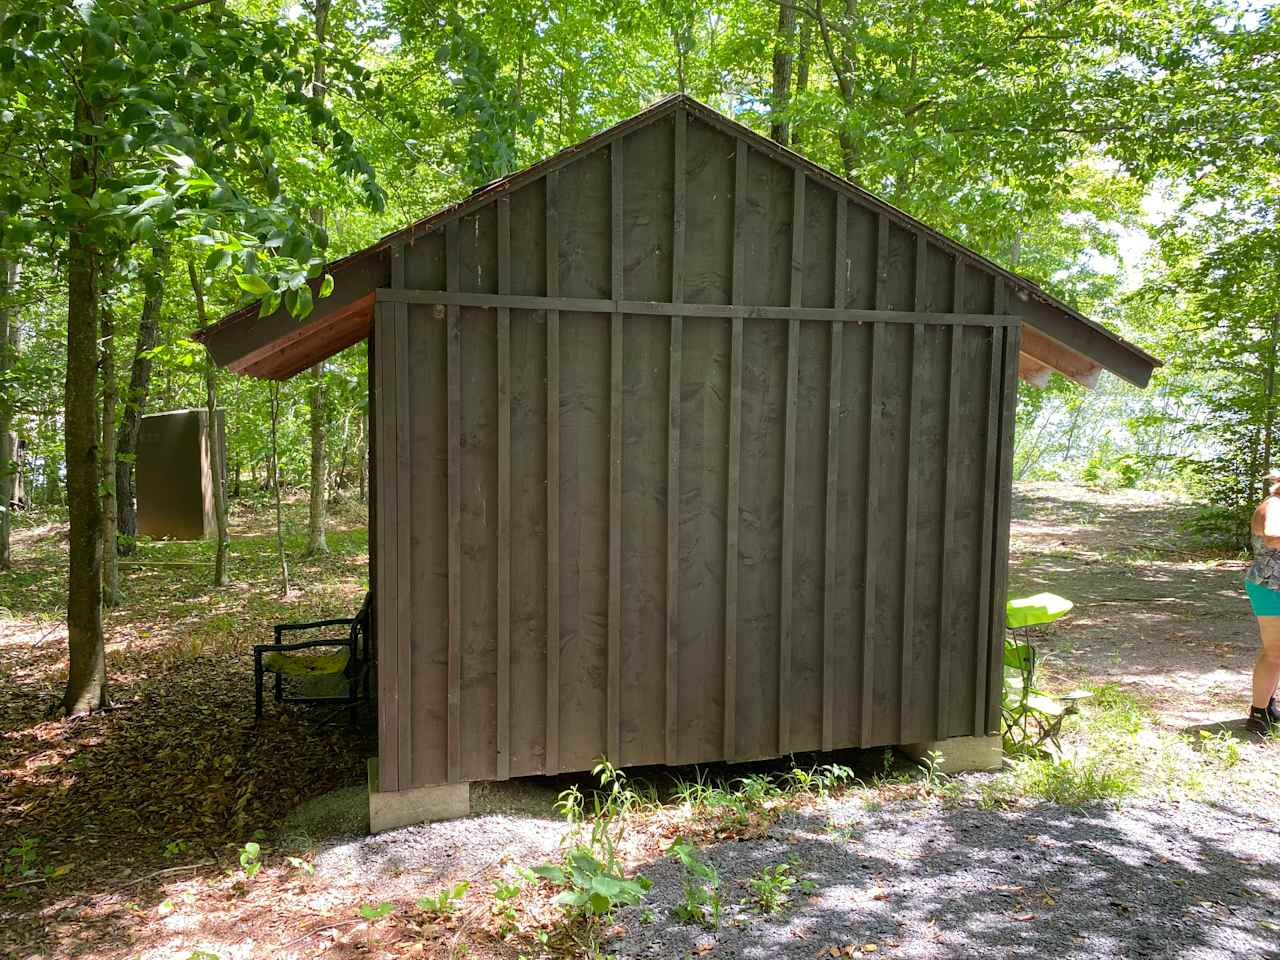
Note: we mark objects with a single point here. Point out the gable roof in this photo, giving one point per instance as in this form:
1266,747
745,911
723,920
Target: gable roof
1055,335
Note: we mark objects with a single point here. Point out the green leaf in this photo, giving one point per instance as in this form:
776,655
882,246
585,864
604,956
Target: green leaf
326,285
252,283
376,912
550,872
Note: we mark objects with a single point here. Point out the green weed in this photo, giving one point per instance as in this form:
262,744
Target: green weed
771,888
444,901
701,902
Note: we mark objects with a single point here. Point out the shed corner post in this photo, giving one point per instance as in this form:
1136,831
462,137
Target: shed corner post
385,772
1004,501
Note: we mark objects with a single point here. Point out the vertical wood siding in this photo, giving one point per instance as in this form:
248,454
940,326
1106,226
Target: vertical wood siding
675,535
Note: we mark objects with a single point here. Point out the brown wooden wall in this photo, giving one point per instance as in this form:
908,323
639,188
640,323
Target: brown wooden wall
737,443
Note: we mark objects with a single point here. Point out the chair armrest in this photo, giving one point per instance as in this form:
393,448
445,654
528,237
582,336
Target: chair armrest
341,622
304,645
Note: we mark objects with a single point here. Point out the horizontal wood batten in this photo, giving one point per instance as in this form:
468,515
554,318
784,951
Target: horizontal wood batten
659,309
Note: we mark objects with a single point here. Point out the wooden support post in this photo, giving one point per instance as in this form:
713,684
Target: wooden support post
945,566
383,485
553,477
675,374
504,494
869,567
399,360
910,535
1004,489
786,600
982,631
830,534
453,256
732,491
613,694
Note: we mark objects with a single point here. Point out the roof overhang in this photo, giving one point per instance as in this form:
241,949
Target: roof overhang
1056,337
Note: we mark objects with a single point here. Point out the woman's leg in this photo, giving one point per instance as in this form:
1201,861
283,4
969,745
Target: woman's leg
1266,671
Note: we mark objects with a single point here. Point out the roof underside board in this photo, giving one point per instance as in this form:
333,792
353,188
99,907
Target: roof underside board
278,346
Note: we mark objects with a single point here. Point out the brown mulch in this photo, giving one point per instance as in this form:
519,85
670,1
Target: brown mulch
100,816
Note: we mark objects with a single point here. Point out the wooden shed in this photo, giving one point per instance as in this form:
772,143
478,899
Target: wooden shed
686,449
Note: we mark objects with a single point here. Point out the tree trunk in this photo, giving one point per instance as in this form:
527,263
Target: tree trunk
87,675
319,508
9,345
318,513
802,79
275,482
135,400
51,478
783,58
364,457
213,436
1270,408
110,389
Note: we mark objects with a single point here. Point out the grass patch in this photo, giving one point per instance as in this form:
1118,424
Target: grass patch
1115,749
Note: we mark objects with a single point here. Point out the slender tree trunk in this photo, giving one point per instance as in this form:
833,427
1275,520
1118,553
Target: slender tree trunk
275,482
802,79
843,68
9,346
783,59
213,437
110,390
364,457
1270,408
51,479
318,512
135,399
87,675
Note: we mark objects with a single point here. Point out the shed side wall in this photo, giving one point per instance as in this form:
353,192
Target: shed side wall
867,493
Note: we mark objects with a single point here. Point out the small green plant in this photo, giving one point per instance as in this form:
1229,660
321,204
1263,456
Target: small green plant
249,859
376,911
299,864
175,848
621,797
23,861
590,876
1071,783
701,903
591,887
771,888
445,901
505,893
1222,747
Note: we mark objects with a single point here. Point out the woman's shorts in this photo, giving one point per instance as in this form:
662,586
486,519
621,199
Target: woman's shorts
1264,600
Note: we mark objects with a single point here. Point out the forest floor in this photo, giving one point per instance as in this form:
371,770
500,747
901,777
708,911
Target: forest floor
123,834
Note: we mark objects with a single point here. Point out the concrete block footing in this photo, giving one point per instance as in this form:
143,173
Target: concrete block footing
960,754
401,808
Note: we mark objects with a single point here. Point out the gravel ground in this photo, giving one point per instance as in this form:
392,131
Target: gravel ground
923,880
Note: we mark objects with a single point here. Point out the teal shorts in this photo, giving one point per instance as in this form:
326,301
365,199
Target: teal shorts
1264,600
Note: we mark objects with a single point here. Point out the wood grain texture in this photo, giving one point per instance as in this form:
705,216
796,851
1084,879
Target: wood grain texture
552,751
387,620
831,532
503,715
614,693
454,379
692,458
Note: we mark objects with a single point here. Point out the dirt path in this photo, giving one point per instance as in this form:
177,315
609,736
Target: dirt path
1153,613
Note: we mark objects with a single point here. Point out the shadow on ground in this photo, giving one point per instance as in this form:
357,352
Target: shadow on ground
932,882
